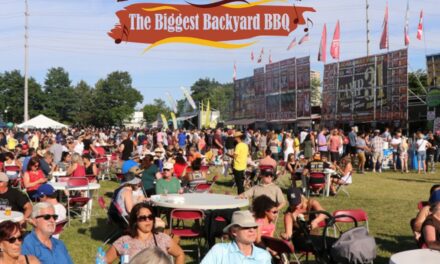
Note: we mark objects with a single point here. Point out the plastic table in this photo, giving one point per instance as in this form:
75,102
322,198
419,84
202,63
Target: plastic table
425,256
14,217
201,201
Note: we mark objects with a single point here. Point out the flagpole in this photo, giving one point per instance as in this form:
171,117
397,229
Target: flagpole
368,30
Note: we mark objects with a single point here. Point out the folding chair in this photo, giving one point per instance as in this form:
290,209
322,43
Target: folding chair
182,215
77,201
119,177
15,183
104,168
103,206
358,214
205,187
59,227
282,247
342,186
316,182
422,204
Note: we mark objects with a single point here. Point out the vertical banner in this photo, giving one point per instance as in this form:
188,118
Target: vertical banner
164,121
188,97
208,115
173,116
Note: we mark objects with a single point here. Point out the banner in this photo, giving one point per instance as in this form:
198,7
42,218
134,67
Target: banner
367,89
188,97
172,102
209,25
208,115
164,121
173,117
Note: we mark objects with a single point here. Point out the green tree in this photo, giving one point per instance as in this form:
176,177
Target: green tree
418,82
202,89
115,99
316,92
152,110
12,97
61,100
84,108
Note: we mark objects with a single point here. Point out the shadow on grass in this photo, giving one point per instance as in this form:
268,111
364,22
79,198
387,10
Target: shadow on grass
433,181
102,230
393,244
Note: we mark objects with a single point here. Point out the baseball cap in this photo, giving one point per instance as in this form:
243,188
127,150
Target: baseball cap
3,177
44,190
168,165
294,196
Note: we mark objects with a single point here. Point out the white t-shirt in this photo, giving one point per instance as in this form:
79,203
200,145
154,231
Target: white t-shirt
421,144
60,210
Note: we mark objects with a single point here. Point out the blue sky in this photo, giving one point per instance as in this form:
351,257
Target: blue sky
73,34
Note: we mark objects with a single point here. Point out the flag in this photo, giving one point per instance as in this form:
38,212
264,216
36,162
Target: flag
384,41
208,115
173,116
252,55
270,56
335,46
406,30
292,44
164,121
420,27
304,39
188,97
234,74
322,55
172,102
260,58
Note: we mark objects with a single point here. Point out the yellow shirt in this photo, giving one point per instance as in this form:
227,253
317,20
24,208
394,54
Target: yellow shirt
241,153
12,142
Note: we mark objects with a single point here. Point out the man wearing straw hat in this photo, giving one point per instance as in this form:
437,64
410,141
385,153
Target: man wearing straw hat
241,249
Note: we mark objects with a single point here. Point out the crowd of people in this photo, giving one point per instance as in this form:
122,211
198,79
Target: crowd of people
170,162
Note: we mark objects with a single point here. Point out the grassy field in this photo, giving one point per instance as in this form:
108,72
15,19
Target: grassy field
390,199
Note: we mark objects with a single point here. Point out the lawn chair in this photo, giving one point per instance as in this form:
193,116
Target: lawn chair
59,227
282,247
103,206
316,182
205,187
77,201
343,184
184,232
358,214
104,168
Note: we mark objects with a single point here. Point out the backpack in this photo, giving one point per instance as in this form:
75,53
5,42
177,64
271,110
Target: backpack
354,246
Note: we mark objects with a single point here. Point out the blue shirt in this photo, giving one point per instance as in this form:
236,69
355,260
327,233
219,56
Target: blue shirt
228,253
182,139
57,255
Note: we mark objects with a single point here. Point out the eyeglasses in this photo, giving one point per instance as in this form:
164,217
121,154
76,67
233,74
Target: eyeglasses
166,169
248,228
143,218
48,216
12,240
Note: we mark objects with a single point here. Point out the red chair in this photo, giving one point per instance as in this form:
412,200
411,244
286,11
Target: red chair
102,204
77,201
358,214
205,187
103,166
282,247
204,169
119,177
91,178
316,182
59,227
184,232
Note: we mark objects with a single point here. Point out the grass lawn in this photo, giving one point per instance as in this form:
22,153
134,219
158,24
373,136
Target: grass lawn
390,199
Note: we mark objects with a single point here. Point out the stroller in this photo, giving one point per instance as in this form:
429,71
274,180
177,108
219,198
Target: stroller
353,246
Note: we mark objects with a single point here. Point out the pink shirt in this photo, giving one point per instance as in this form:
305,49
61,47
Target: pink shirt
266,230
335,143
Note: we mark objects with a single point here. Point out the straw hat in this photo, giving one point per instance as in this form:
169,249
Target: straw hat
241,219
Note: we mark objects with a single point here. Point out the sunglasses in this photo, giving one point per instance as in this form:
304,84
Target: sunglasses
144,218
248,228
274,212
166,169
48,216
12,240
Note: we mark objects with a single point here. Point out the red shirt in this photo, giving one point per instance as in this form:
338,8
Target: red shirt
33,177
178,169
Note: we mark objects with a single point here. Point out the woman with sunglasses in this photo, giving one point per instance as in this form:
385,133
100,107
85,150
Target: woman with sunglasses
33,177
11,239
265,213
141,235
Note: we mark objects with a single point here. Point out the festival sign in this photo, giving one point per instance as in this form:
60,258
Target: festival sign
367,89
433,63
210,24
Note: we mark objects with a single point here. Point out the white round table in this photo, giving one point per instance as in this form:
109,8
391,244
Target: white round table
14,217
202,201
425,256
62,186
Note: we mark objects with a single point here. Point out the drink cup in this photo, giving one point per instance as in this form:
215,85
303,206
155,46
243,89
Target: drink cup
8,211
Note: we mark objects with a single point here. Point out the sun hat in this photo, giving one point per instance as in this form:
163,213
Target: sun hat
130,178
238,134
241,219
294,196
44,190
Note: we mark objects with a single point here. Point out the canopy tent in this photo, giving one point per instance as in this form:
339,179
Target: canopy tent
41,121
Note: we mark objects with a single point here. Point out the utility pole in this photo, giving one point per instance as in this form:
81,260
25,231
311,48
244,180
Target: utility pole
26,59
368,29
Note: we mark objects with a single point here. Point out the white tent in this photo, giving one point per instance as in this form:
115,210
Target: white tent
41,121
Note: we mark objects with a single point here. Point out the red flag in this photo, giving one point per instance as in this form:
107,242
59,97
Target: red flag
270,56
260,58
252,55
292,44
406,30
322,55
335,47
384,41
234,73
304,39
420,27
